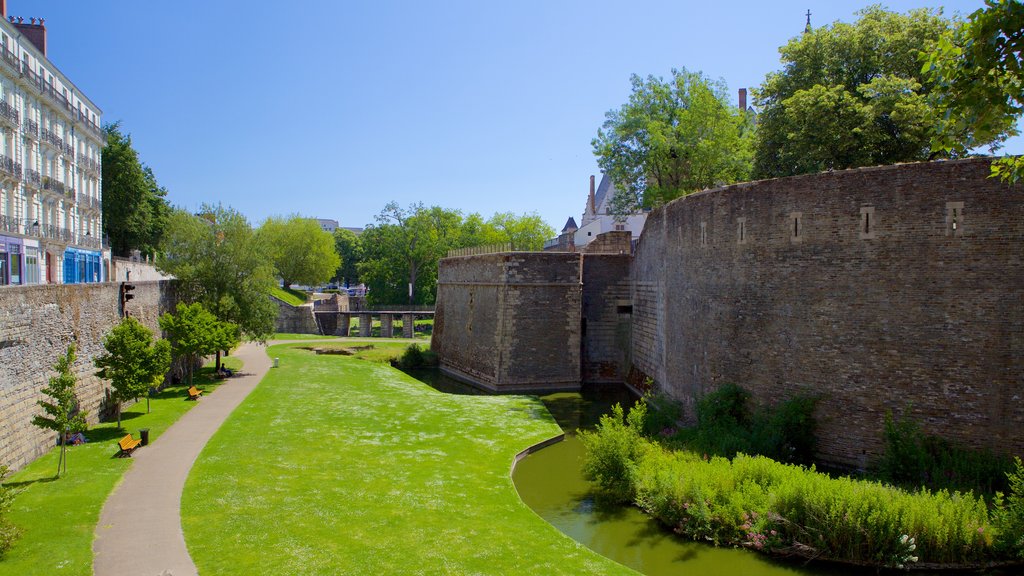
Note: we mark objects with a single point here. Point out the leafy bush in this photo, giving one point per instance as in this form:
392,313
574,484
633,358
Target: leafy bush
727,424
913,458
613,451
762,504
416,357
8,532
1008,514
662,415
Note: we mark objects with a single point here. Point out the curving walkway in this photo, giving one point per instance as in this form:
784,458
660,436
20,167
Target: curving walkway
139,531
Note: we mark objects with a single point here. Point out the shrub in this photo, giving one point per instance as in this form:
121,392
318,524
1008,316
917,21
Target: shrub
415,357
8,532
663,414
1009,514
913,458
613,451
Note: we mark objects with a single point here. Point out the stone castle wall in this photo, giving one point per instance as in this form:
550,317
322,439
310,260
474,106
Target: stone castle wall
36,325
510,321
896,288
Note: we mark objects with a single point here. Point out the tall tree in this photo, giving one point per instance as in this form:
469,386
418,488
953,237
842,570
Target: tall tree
849,95
61,413
302,252
221,263
133,361
672,138
134,208
526,232
194,332
350,248
979,78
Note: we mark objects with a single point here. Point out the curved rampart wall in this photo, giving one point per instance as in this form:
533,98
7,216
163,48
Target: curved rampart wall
894,288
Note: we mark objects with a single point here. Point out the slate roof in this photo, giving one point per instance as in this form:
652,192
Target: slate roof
570,225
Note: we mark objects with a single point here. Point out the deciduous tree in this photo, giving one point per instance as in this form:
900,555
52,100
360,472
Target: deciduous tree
133,361
221,263
61,412
194,332
672,138
979,78
302,252
849,95
350,248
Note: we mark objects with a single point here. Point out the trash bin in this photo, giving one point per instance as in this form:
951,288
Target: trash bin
275,362
144,435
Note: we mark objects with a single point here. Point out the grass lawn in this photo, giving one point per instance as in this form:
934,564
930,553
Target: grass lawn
339,466
293,297
58,516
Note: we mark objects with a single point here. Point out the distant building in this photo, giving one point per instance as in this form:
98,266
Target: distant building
50,217
597,219
327,225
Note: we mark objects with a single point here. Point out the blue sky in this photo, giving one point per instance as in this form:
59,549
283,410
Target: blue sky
332,108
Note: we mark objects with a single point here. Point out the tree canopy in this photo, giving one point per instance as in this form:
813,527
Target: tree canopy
194,332
350,249
672,138
302,252
405,244
849,95
979,77
133,361
134,207
221,263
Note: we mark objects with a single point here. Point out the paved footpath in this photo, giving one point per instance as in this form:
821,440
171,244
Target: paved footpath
139,532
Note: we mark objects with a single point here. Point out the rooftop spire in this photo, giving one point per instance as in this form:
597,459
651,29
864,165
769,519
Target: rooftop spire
807,28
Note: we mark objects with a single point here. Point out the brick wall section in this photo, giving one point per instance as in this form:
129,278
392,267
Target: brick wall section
36,325
607,310
295,319
613,242
510,321
788,292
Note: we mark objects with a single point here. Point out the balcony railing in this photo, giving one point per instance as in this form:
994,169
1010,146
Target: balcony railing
8,224
8,165
33,178
53,184
69,193
58,98
89,165
95,204
10,59
10,113
50,137
89,125
31,128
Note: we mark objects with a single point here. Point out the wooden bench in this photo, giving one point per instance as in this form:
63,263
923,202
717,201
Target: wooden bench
194,393
128,445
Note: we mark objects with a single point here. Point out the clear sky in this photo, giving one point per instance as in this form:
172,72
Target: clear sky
331,108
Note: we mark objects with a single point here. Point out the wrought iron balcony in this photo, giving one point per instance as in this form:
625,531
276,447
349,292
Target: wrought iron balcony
9,166
33,178
88,241
90,126
50,137
9,224
10,113
69,151
69,193
56,97
53,184
10,59
89,165
31,128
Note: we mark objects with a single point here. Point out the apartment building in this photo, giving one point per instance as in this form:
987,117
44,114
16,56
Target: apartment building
50,217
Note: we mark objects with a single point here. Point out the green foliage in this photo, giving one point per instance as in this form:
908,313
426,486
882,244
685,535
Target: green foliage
913,458
195,332
979,82
849,95
727,424
9,533
672,138
350,248
133,362
302,252
221,263
134,209
759,503
416,357
662,414
614,451
62,413
1008,514
527,232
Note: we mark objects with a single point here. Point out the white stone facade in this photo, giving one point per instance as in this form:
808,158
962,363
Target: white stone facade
50,166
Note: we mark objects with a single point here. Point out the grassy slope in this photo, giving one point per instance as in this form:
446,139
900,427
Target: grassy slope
338,466
58,516
293,297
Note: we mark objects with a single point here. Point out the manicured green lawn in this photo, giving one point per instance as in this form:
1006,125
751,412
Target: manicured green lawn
293,297
58,516
339,466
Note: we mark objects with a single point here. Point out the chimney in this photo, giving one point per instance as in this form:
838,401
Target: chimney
743,99
35,32
3,9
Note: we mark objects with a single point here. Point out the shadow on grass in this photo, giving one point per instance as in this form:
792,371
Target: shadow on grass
25,483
